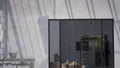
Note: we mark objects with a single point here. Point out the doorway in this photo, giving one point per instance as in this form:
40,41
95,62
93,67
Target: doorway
81,43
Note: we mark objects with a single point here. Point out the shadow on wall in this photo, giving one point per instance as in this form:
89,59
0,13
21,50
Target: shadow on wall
43,27
14,29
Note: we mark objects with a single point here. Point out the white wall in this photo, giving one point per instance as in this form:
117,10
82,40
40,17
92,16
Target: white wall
23,12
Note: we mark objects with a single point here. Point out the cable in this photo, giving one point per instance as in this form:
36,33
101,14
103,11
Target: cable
88,9
70,8
67,8
94,15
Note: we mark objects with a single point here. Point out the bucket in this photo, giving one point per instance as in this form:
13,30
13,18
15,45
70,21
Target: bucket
12,55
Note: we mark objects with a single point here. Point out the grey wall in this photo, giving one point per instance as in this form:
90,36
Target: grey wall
54,39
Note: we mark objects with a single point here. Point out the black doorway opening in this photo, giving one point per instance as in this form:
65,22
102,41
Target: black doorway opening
81,43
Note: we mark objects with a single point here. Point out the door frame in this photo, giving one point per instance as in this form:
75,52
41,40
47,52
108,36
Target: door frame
75,20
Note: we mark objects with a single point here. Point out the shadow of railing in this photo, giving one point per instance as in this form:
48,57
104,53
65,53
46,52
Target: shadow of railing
14,30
